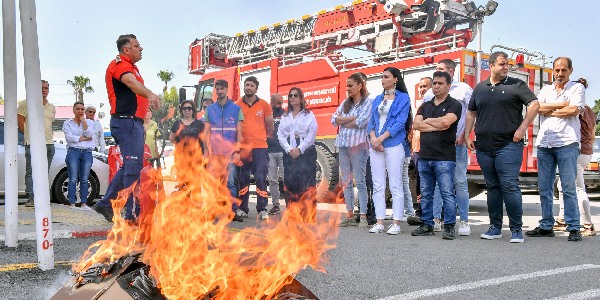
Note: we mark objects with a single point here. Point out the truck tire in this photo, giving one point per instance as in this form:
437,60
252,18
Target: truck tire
327,168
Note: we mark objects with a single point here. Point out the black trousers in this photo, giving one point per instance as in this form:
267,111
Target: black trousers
299,174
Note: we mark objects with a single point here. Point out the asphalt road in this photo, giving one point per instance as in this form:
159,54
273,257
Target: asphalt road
380,266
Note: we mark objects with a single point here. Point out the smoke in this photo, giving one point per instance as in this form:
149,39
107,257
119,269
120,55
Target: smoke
60,280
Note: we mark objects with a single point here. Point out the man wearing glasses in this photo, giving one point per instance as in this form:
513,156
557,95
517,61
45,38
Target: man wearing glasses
98,132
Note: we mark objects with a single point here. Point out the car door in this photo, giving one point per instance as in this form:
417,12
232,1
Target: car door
20,162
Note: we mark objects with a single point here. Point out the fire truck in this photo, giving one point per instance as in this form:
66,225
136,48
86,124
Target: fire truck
317,52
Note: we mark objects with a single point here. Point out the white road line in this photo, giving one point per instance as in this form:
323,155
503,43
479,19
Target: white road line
589,294
488,282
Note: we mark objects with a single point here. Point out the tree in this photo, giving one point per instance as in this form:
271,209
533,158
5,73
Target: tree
1,100
165,76
596,109
80,85
168,112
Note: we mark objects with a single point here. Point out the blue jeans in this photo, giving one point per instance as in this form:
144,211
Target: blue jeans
442,173
129,135
232,183
500,169
79,163
29,171
460,186
565,158
353,165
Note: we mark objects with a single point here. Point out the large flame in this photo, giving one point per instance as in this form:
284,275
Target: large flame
186,239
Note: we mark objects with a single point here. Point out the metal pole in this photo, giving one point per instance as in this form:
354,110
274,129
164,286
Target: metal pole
478,69
11,182
35,123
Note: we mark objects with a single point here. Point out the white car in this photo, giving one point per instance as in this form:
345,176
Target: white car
58,177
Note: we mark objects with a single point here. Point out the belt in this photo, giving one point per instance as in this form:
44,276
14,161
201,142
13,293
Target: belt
120,116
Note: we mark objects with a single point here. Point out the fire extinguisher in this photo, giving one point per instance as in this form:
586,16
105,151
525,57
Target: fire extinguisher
115,161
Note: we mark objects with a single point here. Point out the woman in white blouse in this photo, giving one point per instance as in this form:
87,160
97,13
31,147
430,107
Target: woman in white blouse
297,133
80,143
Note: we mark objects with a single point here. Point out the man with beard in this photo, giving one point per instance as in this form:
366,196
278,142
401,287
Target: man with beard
224,120
257,126
275,173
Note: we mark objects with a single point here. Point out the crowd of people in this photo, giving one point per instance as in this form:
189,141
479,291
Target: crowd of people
379,136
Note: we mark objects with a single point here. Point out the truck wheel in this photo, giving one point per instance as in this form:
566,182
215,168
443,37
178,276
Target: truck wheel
327,168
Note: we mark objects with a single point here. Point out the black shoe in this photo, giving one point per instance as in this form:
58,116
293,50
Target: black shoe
274,210
574,236
237,218
423,230
414,220
106,212
538,232
29,203
448,232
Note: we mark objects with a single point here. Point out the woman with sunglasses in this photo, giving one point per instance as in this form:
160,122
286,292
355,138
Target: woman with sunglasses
352,117
297,134
188,126
387,132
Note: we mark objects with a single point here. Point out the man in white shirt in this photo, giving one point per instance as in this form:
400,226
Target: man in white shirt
90,113
558,145
461,92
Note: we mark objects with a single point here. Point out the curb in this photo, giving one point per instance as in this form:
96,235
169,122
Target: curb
62,234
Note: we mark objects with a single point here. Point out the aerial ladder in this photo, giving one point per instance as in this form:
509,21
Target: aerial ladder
389,28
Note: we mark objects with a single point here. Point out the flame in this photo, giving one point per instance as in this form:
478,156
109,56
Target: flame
186,240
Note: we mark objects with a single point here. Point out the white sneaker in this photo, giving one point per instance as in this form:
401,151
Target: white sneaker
437,226
263,215
464,228
393,229
377,228
241,213
85,207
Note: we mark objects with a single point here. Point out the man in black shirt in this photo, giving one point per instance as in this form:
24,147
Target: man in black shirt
275,173
497,104
437,120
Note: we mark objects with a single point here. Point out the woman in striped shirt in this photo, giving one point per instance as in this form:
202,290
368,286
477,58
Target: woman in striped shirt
352,117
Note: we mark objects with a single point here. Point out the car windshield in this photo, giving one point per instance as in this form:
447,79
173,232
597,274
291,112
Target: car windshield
596,146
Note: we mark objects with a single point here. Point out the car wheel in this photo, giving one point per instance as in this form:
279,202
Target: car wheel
60,188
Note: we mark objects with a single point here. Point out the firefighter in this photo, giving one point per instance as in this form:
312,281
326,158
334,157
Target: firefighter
558,145
257,126
129,100
497,105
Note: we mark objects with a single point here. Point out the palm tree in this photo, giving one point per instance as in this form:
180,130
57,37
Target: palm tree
80,85
165,76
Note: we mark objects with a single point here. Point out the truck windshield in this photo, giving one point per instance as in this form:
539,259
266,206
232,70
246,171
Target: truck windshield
204,91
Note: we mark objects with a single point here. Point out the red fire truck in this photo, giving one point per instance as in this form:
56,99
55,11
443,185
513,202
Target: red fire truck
314,52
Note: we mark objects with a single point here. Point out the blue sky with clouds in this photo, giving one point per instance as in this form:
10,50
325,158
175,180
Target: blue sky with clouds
78,37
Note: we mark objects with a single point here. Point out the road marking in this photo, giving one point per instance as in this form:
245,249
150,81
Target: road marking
589,294
489,282
26,266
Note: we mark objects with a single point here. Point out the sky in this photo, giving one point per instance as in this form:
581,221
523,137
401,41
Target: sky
78,37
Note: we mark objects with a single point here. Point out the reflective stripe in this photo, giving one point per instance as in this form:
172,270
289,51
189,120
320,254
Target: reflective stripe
244,191
262,193
223,129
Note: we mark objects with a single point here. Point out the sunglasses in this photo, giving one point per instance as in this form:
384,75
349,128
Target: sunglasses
383,104
294,95
91,111
187,108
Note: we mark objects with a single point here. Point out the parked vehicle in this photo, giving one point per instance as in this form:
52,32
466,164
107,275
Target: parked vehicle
58,177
